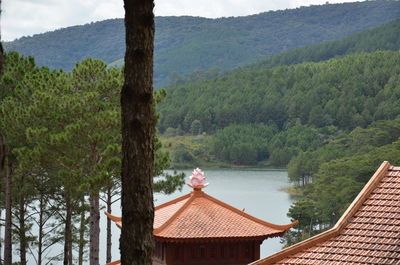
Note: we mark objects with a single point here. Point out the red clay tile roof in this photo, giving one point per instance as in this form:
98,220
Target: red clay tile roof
202,216
165,211
197,216
367,233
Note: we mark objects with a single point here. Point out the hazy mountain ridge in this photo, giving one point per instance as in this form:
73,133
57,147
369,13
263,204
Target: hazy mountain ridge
384,37
184,44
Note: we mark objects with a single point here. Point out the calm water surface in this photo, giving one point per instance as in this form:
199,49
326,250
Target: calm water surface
258,191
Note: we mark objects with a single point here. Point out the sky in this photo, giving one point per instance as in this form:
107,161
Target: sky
28,17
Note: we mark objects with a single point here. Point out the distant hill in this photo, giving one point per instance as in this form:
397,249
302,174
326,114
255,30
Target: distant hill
184,44
385,37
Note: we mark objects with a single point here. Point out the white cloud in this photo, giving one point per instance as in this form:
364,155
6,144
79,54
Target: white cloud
28,17
108,9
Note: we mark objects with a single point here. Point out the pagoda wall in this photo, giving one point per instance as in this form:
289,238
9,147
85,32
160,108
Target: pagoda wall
211,253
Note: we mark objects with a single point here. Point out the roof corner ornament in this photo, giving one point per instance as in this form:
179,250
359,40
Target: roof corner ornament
197,180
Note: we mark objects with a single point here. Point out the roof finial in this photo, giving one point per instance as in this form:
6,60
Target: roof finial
197,180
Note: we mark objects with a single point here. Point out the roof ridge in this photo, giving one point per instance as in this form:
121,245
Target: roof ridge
178,212
351,210
363,195
165,204
246,215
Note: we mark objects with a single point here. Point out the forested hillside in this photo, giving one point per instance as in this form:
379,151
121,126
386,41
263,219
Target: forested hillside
345,92
385,37
299,106
184,44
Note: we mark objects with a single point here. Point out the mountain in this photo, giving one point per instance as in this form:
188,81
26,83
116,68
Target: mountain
184,44
385,37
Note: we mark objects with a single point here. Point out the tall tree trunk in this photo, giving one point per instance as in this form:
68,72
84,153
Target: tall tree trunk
138,121
22,229
94,229
68,231
109,238
8,221
82,230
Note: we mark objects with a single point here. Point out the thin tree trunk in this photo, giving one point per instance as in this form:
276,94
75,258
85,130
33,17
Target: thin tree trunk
94,229
22,229
8,222
41,227
138,121
68,232
1,239
82,229
2,170
109,210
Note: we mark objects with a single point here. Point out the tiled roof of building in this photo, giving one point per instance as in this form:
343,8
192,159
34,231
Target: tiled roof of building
367,233
198,216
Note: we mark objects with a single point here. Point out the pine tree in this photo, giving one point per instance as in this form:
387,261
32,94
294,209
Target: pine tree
138,121
14,71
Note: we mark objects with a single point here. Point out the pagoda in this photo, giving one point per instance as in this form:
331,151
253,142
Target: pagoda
198,229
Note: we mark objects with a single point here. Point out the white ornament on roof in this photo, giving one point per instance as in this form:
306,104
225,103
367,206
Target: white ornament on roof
197,179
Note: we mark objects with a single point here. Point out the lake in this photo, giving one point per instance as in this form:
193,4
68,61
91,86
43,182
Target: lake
258,191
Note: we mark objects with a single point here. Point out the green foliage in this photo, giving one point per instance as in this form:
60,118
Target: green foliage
306,212
16,67
339,181
185,44
301,168
338,171
287,144
195,127
188,150
243,144
346,93
70,122
359,141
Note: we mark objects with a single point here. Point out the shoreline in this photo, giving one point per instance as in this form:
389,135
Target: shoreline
294,191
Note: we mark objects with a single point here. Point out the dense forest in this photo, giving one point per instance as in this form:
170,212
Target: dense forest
345,92
184,44
284,111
